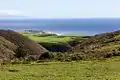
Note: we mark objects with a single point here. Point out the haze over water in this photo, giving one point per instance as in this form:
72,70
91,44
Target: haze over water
65,26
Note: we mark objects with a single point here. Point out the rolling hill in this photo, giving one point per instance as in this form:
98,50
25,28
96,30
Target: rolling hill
101,45
14,45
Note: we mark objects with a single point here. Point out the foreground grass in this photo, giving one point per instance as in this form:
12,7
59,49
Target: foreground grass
83,70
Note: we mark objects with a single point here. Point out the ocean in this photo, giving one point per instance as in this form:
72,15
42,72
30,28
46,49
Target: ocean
64,26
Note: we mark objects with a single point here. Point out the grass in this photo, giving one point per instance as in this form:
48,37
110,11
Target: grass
82,70
48,39
105,69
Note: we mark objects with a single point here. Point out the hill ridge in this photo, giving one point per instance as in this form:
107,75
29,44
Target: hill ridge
100,45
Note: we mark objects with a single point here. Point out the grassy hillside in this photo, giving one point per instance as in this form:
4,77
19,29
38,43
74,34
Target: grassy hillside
83,70
49,39
54,43
99,46
102,45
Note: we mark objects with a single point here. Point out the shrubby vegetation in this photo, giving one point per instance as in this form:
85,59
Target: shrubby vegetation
102,45
44,35
56,47
15,45
82,47
59,48
59,56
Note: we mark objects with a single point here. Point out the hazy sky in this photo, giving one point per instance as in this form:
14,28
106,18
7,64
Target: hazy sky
61,8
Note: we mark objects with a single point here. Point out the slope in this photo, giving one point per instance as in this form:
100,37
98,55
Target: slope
6,49
25,47
101,45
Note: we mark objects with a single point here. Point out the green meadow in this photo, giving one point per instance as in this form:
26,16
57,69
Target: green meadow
50,39
108,69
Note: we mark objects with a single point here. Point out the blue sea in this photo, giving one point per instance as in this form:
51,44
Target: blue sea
64,26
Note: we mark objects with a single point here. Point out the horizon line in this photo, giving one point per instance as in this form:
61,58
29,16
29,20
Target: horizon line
29,18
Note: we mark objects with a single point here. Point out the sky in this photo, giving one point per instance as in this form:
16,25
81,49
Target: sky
61,8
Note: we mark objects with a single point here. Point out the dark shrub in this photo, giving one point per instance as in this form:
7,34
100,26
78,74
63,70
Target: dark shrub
108,55
20,51
56,47
47,55
75,57
45,35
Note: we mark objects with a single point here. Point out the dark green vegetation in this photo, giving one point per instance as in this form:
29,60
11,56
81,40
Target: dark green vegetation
83,70
52,43
103,45
55,43
56,47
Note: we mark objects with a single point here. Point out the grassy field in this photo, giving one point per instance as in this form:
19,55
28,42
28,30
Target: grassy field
50,39
107,69
83,70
